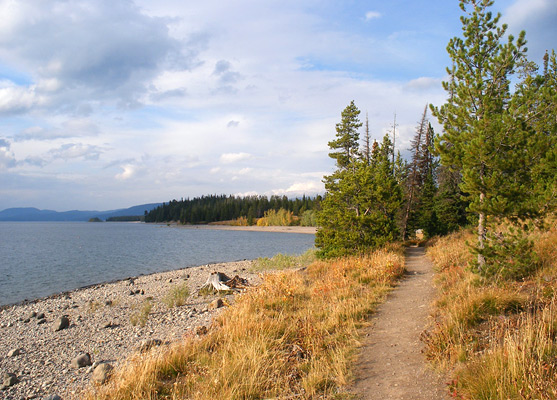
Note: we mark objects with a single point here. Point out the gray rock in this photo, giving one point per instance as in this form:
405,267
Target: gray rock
14,352
147,344
53,397
41,321
82,360
33,314
40,316
61,323
8,379
102,373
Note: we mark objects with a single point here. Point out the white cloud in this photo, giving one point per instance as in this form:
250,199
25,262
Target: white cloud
128,172
372,15
230,158
7,159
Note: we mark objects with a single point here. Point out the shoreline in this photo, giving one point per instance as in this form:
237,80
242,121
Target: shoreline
101,324
308,230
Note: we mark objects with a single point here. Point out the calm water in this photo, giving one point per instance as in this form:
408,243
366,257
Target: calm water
38,259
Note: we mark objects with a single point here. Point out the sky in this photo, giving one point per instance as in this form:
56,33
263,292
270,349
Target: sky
109,104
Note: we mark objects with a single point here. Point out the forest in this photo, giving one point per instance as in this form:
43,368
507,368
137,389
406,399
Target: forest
235,209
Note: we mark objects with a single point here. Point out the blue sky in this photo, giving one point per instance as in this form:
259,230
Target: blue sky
106,104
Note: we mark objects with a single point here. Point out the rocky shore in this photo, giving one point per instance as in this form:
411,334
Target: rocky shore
54,347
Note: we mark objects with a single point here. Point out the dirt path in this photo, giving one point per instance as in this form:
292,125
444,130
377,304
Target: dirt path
391,365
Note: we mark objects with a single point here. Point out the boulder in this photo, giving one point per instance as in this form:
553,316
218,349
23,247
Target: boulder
101,373
82,360
61,323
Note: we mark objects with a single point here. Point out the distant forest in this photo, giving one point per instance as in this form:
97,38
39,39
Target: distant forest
246,210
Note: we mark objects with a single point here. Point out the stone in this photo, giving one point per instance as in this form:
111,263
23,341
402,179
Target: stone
107,325
147,344
14,352
217,303
9,380
40,316
61,323
53,397
82,360
101,373
33,314
41,321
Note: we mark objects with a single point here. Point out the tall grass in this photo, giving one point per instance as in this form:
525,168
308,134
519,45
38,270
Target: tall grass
497,337
293,335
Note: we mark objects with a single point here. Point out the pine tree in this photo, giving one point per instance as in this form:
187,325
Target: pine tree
362,200
478,135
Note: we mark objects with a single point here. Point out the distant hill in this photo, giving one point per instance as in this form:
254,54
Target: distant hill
34,214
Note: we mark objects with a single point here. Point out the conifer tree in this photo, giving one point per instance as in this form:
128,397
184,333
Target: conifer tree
478,135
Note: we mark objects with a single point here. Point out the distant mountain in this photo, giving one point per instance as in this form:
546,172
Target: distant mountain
34,214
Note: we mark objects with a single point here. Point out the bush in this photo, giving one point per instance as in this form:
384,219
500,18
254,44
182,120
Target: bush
141,316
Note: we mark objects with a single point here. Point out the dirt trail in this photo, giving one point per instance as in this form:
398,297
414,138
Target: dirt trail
390,364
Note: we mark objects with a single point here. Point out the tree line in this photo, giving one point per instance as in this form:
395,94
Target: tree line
494,163
218,208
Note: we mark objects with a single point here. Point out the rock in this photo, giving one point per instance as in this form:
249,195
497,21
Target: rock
14,352
217,303
201,330
82,360
61,323
41,321
170,280
102,373
40,316
147,344
32,315
53,397
8,380
107,325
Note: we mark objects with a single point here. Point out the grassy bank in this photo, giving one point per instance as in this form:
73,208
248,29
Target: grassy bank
291,337
497,336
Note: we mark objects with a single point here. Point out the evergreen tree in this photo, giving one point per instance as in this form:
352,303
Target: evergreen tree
478,133
359,209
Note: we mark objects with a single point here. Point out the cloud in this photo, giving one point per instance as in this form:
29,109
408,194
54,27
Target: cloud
85,51
372,15
7,159
537,18
230,158
233,124
16,99
424,83
129,171
81,127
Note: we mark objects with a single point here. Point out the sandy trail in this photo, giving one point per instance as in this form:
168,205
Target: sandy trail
390,364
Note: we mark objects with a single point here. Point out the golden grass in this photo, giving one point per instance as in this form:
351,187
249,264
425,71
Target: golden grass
497,338
291,337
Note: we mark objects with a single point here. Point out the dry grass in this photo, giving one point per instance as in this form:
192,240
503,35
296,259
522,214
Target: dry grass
498,338
291,337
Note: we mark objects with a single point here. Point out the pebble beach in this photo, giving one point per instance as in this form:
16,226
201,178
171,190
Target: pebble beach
51,348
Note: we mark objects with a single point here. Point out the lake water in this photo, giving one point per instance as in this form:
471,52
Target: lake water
38,259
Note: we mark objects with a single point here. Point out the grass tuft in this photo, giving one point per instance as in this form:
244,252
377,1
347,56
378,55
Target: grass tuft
176,296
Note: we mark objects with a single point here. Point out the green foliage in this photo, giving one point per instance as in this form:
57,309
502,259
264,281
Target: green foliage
363,198
496,138
308,218
176,296
509,255
207,209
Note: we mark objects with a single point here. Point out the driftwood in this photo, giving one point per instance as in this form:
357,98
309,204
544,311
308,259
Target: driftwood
218,281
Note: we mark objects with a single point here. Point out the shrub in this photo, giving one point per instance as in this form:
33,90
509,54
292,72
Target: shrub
140,317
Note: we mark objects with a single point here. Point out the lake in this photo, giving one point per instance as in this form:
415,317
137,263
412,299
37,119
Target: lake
38,259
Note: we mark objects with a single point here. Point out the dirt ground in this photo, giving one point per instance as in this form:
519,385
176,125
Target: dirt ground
390,364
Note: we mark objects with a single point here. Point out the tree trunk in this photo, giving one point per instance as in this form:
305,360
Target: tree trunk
481,234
